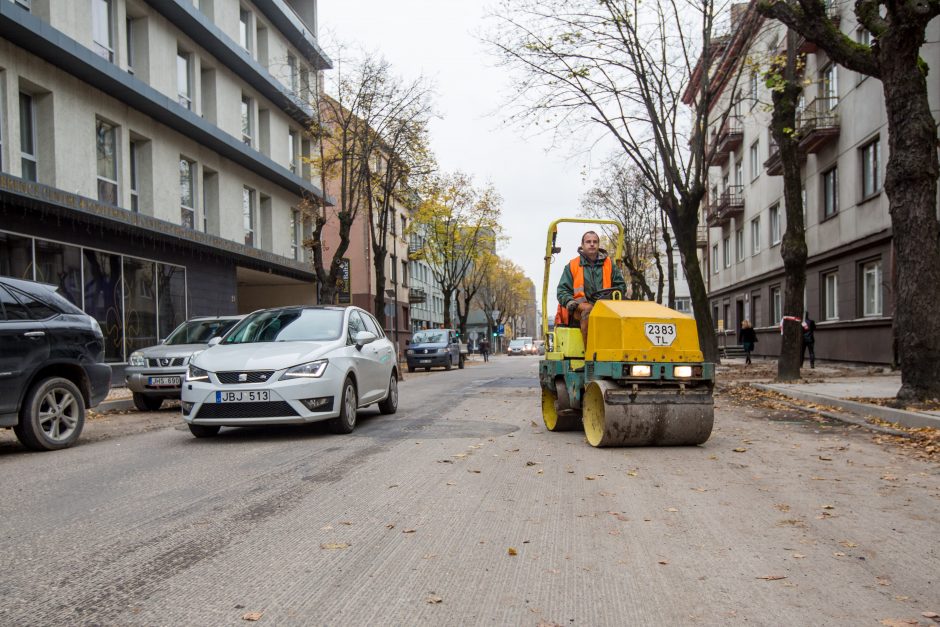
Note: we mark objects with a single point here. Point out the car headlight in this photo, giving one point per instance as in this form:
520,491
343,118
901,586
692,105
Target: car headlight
640,370
195,373
410,352
311,370
137,359
442,350
682,371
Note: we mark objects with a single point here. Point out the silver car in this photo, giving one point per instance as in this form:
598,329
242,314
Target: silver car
156,373
292,365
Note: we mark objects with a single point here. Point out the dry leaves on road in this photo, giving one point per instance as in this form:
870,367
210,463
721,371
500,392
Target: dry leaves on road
772,577
740,450
433,599
334,545
253,616
512,551
409,531
900,622
590,477
663,562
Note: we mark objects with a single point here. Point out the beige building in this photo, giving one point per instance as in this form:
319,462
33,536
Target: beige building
152,156
843,141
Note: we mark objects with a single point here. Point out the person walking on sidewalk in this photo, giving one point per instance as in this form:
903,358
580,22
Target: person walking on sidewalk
748,339
485,349
809,341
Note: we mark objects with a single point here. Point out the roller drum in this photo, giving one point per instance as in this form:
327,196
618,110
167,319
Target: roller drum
618,416
555,416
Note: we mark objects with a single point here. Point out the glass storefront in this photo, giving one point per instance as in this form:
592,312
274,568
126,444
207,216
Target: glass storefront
136,301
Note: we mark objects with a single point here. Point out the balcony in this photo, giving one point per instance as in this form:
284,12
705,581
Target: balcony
701,237
774,164
726,140
818,124
417,295
728,205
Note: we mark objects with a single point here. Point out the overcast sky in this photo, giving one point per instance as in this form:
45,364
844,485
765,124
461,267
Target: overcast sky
438,39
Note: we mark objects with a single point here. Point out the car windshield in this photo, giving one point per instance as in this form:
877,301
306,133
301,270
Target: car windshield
429,337
199,331
517,343
288,325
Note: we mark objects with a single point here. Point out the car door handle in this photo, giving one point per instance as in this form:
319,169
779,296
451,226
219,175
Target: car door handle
34,334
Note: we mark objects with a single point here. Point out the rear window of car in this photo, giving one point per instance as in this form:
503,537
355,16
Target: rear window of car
516,344
288,325
21,305
199,331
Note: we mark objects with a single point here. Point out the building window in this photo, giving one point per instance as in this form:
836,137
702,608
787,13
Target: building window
831,296
249,219
292,144
871,289
135,176
739,172
739,244
102,29
25,4
727,251
247,125
829,87
404,225
755,159
756,310
28,138
871,164
244,29
755,235
775,225
106,153
752,86
184,79
295,234
404,273
187,193
776,304
394,267
131,44
292,75
830,192
391,222
715,259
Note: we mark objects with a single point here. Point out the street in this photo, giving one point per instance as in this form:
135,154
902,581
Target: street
461,509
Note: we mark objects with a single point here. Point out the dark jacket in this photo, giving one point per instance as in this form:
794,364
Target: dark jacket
748,335
593,278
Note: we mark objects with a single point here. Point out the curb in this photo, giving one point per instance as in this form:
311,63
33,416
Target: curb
904,418
122,404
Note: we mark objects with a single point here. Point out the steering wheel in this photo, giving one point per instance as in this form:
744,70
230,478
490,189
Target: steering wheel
605,294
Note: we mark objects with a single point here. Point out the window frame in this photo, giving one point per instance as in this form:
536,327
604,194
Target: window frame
113,182
830,294
878,310
755,235
714,258
296,224
186,59
776,303
103,50
133,153
739,245
28,155
871,173
827,175
250,213
247,107
726,253
754,158
775,231
184,208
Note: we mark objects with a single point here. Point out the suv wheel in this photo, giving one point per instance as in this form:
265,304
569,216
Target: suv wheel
52,416
147,403
460,363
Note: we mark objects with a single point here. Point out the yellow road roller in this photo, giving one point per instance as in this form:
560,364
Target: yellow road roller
640,381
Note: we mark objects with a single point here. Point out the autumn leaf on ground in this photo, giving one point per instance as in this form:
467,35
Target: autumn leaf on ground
409,530
848,544
663,562
434,599
672,509
476,472
533,423
883,581
930,615
828,506
783,507
590,477
334,545
900,622
532,463
390,526
253,616
798,556
825,459
512,551
632,473
740,450
772,577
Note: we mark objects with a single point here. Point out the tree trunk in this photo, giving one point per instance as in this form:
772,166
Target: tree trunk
793,249
686,235
911,185
670,267
448,295
379,300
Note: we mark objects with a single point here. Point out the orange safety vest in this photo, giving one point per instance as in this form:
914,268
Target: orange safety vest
577,285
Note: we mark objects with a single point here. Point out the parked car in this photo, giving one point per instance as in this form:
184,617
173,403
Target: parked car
435,347
517,346
51,365
292,365
156,373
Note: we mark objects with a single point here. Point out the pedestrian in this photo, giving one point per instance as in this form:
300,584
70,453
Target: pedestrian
748,339
485,349
584,276
809,341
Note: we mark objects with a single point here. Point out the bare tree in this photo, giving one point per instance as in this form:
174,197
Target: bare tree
626,67
470,286
898,31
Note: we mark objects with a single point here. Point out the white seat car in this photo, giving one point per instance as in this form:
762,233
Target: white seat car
292,365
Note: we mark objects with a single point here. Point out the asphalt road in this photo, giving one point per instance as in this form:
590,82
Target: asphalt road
462,510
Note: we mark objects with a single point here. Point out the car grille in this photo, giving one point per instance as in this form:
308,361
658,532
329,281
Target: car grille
234,378
165,362
273,409
425,351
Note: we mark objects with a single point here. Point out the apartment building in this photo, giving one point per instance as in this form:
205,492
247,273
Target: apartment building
843,138
152,156
424,294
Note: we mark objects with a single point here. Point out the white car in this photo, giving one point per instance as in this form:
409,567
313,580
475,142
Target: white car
292,365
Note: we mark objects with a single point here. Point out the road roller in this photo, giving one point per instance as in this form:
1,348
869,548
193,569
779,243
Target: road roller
640,380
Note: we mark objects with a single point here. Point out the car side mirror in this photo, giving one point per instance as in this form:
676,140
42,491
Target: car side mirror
215,340
364,337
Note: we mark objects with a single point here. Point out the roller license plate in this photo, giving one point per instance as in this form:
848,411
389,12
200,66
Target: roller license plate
659,333
254,396
176,381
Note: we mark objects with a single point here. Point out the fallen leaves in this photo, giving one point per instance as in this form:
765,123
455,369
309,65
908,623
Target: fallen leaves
409,530
848,544
512,551
772,577
590,477
825,458
740,449
434,599
330,546
253,616
663,562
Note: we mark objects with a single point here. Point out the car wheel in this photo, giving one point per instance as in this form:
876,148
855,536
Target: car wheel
147,403
448,365
460,363
349,404
52,416
204,431
390,404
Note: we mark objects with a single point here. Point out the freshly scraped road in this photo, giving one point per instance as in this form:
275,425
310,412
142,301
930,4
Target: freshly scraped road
410,521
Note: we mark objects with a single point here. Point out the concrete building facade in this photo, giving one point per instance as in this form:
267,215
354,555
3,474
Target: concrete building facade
842,129
152,156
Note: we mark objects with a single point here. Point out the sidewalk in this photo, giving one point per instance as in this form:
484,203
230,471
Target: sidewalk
861,390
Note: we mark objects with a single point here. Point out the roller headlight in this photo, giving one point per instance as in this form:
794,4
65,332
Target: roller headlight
311,370
195,373
640,371
137,360
682,372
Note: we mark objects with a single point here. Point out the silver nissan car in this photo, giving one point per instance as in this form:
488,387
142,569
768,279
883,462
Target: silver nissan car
292,365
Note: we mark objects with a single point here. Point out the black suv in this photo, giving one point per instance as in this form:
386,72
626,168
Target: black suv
51,369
